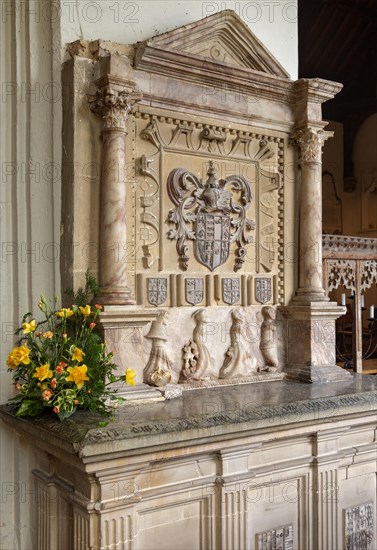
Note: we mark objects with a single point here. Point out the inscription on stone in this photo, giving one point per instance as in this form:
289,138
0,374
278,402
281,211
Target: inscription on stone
359,527
157,290
194,290
276,539
263,289
231,290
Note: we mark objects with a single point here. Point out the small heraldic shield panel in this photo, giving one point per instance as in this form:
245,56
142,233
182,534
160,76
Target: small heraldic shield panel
194,290
263,289
157,290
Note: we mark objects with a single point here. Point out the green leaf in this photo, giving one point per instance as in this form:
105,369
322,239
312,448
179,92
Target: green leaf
103,424
29,407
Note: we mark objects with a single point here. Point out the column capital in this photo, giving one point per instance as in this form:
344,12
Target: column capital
114,101
310,141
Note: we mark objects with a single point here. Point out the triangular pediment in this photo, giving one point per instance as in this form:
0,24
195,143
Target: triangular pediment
221,38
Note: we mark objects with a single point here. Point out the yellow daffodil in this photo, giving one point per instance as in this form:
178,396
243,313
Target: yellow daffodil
77,375
78,355
86,311
64,313
43,372
29,327
48,334
130,377
17,356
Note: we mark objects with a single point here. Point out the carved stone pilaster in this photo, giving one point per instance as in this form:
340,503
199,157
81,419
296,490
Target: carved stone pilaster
113,101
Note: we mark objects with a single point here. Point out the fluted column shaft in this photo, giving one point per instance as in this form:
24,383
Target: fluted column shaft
114,101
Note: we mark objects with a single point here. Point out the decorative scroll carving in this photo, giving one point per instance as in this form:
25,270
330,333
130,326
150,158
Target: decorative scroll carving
150,232
157,290
341,272
198,362
281,538
268,342
114,104
211,214
263,289
157,371
368,274
310,142
194,290
238,360
359,527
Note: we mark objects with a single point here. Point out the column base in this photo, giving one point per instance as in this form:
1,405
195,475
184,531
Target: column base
317,374
310,336
111,298
308,295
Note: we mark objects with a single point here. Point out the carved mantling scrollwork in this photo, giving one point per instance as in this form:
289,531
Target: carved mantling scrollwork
114,103
310,142
211,215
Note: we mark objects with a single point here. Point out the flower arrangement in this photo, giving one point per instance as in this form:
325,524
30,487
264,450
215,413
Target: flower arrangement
61,362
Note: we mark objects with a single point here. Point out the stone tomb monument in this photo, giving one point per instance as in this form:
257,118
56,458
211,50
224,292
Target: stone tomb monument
191,186
184,158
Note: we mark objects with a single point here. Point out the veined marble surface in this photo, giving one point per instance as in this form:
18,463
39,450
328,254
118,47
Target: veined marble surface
212,412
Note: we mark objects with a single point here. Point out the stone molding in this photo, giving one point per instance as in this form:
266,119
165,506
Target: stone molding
349,248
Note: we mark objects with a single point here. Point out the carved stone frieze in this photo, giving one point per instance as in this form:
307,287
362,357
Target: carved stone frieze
339,246
211,215
114,103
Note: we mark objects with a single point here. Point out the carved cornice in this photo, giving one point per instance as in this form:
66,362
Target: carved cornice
114,101
310,141
342,247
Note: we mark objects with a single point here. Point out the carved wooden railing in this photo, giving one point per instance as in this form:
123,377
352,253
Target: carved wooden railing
351,262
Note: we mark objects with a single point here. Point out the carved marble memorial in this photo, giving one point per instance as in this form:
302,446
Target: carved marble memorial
202,197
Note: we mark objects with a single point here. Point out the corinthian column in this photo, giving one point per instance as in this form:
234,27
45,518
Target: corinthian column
310,141
113,102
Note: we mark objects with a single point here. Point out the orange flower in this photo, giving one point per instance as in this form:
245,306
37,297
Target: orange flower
92,325
98,306
53,383
48,334
56,410
77,375
46,395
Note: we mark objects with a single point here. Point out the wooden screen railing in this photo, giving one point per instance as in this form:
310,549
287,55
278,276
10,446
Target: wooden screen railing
351,262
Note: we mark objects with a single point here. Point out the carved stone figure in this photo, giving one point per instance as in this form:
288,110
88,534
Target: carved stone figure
238,360
268,341
198,362
157,371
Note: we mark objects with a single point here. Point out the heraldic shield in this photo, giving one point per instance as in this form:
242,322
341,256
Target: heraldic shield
212,239
212,214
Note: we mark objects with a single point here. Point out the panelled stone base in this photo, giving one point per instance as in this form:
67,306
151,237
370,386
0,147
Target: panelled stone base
310,337
256,467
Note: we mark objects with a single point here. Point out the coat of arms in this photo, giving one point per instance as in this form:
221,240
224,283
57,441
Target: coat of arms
194,290
157,290
263,289
213,214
